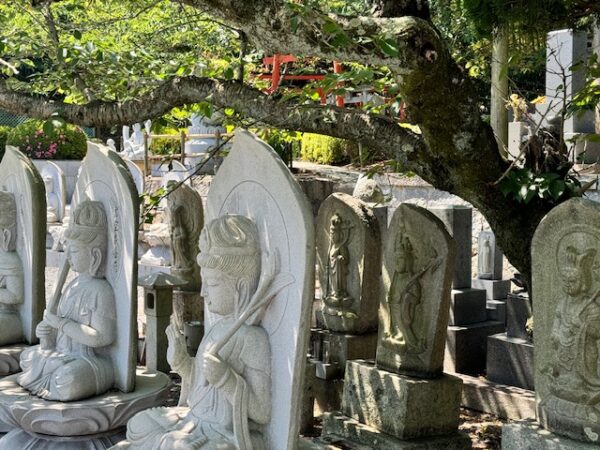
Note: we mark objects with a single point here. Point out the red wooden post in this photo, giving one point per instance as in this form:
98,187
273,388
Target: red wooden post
338,68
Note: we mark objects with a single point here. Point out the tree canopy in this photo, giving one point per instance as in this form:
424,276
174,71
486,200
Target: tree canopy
105,63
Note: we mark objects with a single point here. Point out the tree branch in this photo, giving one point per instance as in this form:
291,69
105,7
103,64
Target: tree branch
399,143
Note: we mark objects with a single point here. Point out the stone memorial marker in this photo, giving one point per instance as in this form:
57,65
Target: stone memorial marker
565,287
257,260
56,192
22,256
417,277
88,335
490,260
405,401
466,345
186,218
138,176
348,255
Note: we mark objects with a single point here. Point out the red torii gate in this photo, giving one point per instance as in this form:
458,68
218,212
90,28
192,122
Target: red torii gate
276,77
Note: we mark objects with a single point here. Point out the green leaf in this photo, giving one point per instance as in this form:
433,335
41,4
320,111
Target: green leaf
557,188
388,46
77,34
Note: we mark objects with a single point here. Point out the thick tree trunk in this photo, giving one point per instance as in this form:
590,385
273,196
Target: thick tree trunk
456,151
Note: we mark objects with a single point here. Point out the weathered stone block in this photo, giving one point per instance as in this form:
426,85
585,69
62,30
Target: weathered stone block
518,311
496,310
467,306
504,401
345,347
494,289
528,435
510,361
466,347
459,223
336,425
400,405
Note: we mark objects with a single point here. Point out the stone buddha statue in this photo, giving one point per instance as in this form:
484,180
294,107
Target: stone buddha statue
52,201
226,394
574,369
72,360
336,295
11,273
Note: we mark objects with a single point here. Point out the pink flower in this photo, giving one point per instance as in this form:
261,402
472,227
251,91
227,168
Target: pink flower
38,154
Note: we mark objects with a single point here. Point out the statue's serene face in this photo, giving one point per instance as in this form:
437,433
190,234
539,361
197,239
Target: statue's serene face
572,280
49,184
79,256
218,291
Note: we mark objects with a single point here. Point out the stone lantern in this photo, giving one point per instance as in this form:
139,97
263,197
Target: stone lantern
158,307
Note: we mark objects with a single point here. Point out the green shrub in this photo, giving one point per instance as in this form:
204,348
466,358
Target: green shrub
4,130
165,146
64,142
324,149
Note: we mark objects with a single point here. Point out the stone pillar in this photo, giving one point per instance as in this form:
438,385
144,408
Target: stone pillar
466,345
158,307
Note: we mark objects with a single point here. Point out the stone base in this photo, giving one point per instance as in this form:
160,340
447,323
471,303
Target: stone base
55,258
19,439
9,359
84,419
346,347
496,310
467,306
508,402
518,311
411,407
510,361
466,347
494,289
528,435
338,429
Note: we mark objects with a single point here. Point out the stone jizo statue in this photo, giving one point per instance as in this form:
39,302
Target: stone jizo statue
225,398
336,294
11,273
52,201
72,361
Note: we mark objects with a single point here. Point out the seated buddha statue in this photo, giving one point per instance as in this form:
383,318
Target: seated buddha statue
11,273
52,201
226,397
72,361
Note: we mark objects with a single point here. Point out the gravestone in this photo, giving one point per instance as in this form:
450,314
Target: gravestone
23,262
105,211
490,260
208,134
566,315
466,345
387,405
138,176
255,210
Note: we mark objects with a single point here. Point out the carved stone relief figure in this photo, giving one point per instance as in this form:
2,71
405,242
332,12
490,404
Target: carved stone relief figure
417,274
574,370
52,201
336,294
407,329
71,362
186,219
485,258
11,273
226,388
